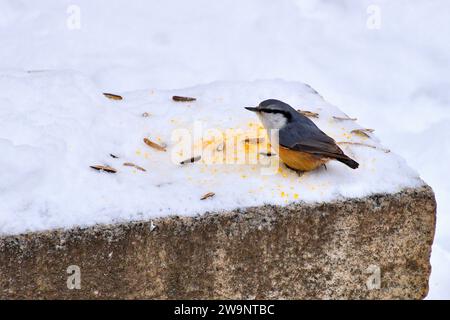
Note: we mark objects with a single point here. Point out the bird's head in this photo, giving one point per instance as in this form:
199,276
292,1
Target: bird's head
274,114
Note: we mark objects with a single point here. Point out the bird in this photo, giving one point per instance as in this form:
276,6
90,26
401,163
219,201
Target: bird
302,145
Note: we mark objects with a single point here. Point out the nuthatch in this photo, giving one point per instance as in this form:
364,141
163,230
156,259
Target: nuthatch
302,145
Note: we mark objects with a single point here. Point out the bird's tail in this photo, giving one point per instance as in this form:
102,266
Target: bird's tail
348,161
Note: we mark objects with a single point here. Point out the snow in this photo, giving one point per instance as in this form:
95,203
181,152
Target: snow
56,123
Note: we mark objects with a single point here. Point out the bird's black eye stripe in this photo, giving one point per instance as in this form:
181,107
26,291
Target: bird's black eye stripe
285,113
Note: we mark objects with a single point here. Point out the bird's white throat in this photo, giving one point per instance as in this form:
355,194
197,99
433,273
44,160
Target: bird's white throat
272,120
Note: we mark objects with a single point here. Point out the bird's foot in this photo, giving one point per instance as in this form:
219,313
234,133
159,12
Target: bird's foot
299,172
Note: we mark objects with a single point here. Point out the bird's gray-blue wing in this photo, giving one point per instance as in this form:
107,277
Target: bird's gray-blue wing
309,139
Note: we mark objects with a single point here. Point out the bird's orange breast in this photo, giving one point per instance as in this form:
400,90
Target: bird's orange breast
300,160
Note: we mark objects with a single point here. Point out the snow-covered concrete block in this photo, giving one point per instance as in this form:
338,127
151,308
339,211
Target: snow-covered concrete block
148,230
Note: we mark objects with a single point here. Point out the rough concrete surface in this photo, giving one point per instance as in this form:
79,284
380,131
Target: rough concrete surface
300,251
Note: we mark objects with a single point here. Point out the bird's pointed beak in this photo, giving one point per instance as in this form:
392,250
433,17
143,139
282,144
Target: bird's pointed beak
254,109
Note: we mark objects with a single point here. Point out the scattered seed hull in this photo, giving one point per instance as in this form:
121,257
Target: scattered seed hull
267,154
154,145
104,168
254,140
344,118
363,132
130,164
364,145
112,96
208,195
183,99
191,160
309,114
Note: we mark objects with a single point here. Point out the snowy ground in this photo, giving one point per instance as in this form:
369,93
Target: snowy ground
391,73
